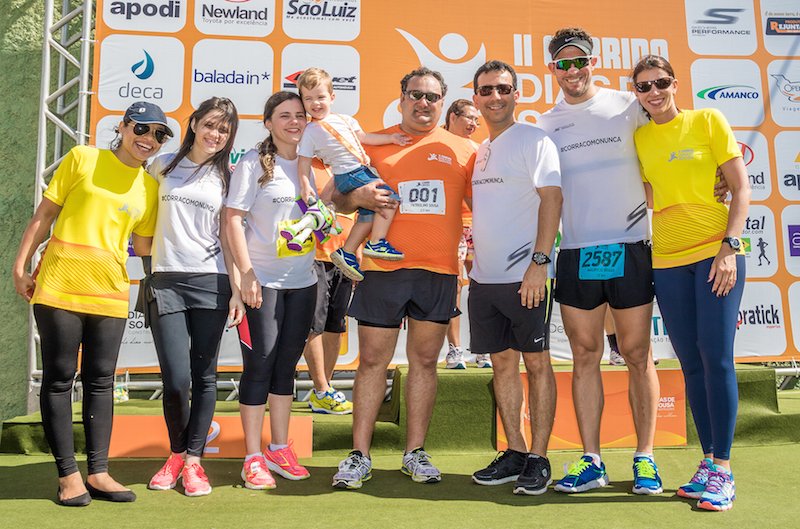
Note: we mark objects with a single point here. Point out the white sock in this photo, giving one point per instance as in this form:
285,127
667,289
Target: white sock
248,457
273,447
595,458
320,394
643,454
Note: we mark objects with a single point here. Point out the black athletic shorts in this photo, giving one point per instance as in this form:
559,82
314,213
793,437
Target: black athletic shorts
383,299
633,289
333,297
498,320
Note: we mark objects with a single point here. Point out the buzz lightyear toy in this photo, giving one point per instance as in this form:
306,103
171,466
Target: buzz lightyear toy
317,218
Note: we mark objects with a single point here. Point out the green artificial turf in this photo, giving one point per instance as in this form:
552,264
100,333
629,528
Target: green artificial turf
390,499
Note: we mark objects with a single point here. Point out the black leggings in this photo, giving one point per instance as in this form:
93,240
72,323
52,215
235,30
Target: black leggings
62,332
278,332
187,344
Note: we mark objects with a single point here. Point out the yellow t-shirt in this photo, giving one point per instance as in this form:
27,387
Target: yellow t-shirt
102,201
679,160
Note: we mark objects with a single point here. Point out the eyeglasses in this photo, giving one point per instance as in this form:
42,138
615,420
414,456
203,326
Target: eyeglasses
416,95
485,160
662,84
487,89
577,62
473,119
140,129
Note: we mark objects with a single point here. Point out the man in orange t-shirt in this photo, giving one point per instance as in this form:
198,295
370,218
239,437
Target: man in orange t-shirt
432,174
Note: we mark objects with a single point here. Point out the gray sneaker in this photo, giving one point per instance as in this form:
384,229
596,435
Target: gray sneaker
615,359
417,465
353,471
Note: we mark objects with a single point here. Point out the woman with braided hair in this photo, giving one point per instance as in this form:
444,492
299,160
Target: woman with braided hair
278,287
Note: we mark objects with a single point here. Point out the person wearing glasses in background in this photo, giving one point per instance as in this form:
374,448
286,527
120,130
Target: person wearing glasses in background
97,198
516,206
431,174
462,119
604,257
698,260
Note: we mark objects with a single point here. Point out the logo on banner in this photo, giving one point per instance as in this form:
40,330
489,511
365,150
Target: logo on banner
144,69
729,30
147,15
732,86
762,314
129,10
340,61
339,83
758,238
755,155
794,240
725,92
253,18
322,19
230,77
783,26
747,153
329,10
791,89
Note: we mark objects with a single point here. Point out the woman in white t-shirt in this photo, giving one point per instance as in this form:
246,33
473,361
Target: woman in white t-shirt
278,288
189,295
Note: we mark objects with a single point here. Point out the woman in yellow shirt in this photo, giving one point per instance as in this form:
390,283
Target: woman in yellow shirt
97,199
698,262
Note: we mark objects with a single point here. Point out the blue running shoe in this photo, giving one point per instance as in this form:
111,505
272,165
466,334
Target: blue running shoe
383,250
720,491
645,476
348,264
697,485
582,476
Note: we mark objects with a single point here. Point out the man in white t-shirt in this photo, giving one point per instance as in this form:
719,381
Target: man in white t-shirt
604,257
516,205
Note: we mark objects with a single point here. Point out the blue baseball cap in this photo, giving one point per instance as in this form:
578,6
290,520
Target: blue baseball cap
147,113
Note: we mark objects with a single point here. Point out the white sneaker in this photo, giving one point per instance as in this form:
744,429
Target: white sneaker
353,471
455,358
484,360
615,359
417,465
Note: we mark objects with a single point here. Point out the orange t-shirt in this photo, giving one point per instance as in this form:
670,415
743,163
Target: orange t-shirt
432,174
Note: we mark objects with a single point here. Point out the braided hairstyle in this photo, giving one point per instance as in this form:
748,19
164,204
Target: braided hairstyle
267,149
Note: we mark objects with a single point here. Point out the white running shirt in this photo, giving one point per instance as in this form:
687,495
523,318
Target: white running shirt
187,229
505,202
268,208
317,141
604,199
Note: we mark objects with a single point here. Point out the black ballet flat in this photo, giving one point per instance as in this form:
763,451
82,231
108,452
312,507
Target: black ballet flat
78,501
123,496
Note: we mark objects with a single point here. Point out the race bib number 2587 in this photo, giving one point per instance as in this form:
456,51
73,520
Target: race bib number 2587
422,197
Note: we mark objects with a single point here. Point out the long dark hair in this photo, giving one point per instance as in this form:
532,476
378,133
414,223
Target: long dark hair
221,160
267,149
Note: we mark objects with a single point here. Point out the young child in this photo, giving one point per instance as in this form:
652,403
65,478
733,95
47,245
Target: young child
337,140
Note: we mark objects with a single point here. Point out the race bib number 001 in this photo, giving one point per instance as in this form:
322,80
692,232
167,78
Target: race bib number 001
602,262
422,197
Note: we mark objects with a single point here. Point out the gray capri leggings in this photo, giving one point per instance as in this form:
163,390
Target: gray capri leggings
278,333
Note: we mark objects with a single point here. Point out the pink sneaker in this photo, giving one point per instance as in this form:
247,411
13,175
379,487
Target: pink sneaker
167,477
284,463
255,474
195,481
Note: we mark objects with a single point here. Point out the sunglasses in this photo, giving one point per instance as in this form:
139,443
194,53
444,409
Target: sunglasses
487,89
577,62
161,135
417,95
662,84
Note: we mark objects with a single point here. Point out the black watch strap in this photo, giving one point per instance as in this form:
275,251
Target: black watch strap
540,258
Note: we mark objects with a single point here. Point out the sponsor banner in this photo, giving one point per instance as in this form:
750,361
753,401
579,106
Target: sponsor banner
787,162
781,26
760,242
761,329
322,19
784,91
235,18
790,220
162,16
755,155
716,30
616,425
242,70
794,311
146,436
731,85
341,62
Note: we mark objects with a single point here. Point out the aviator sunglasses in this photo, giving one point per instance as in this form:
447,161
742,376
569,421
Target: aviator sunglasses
416,95
662,84
487,89
140,129
577,62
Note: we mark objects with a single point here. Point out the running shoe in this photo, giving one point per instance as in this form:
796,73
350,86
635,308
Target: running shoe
348,264
505,468
615,359
455,358
284,463
383,249
195,481
535,476
720,490
697,485
167,476
645,476
332,403
353,471
582,476
484,360
256,475
417,464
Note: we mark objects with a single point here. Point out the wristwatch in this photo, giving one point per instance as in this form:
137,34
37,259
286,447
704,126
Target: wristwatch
734,242
540,258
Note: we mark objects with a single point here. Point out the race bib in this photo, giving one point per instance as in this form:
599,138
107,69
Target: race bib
283,249
602,262
422,197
